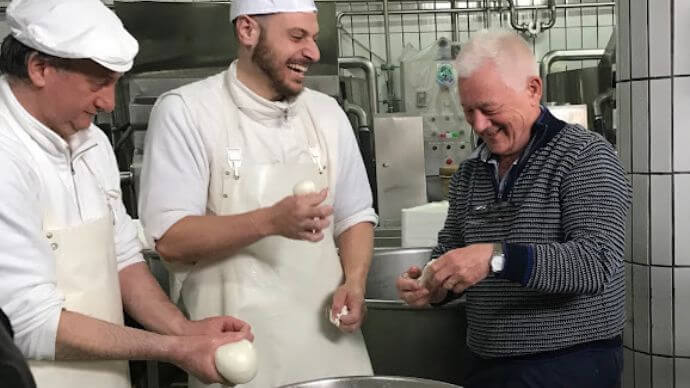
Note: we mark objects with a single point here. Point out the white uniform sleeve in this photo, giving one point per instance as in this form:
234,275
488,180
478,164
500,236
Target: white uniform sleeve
127,243
28,292
353,199
175,174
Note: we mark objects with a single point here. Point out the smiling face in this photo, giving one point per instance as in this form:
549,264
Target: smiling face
285,50
499,114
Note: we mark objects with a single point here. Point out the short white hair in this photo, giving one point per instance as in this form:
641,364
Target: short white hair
505,49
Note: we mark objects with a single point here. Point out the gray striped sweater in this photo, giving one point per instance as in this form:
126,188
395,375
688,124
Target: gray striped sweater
562,221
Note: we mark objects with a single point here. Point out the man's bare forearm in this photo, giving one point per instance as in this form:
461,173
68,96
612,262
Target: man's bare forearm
356,246
199,238
80,337
145,301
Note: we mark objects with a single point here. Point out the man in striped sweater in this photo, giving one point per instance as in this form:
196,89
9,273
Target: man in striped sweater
534,235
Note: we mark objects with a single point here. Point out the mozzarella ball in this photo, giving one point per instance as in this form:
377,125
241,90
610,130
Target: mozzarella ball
336,320
304,187
426,273
237,361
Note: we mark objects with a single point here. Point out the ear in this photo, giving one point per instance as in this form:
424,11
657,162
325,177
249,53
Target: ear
37,70
248,31
534,90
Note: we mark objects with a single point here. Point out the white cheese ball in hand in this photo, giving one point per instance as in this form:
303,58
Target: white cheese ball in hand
426,273
237,361
336,320
304,187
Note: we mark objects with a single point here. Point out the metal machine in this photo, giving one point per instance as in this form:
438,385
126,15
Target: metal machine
429,89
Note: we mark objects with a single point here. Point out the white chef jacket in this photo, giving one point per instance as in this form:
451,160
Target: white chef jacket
176,171
72,179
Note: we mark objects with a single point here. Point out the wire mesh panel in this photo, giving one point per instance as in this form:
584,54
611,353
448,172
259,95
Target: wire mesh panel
579,24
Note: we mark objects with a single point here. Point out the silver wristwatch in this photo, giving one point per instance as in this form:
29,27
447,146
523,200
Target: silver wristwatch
498,259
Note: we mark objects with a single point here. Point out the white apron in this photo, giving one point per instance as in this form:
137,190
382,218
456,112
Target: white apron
281,287
87,275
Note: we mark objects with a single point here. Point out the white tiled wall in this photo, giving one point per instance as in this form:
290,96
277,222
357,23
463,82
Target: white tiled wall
653,63
681,52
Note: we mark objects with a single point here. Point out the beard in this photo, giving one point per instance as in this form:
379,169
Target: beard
264,58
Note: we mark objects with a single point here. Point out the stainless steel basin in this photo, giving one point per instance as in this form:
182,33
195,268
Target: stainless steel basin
387,265
372,382
405,341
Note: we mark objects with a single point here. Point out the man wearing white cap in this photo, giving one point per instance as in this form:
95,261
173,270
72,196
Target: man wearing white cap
222,159
69,256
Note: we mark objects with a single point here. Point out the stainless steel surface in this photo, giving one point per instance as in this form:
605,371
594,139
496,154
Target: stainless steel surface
387,265
575,87
405,341
400,175
564,55
371,382
328,84
143,89
370,72
387,237
199,34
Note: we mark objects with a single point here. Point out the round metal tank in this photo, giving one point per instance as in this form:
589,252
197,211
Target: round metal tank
372,382
405,341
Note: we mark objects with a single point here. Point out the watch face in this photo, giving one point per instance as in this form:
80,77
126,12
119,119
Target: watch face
497,263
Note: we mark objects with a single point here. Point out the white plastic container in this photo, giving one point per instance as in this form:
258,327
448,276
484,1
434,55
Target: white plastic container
420,224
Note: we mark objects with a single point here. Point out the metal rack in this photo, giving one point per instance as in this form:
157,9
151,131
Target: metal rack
363,24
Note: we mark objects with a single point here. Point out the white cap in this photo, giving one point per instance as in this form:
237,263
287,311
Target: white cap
262,7
73,29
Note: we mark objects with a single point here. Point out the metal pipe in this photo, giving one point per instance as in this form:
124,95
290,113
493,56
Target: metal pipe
587,5
386,31
360,113
126,176
532,27
370,71
388,66
561,6
342,14
453,26
599,123
451,11
599,101
563,55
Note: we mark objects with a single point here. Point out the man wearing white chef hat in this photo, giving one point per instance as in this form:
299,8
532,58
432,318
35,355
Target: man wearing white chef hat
69,257
222,158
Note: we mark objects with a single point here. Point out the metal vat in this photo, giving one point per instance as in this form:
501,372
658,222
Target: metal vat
405,341
372,382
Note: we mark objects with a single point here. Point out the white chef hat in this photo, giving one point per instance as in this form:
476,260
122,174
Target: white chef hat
262,7
73,29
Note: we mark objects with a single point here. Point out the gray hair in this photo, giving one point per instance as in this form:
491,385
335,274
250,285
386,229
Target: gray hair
510,54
